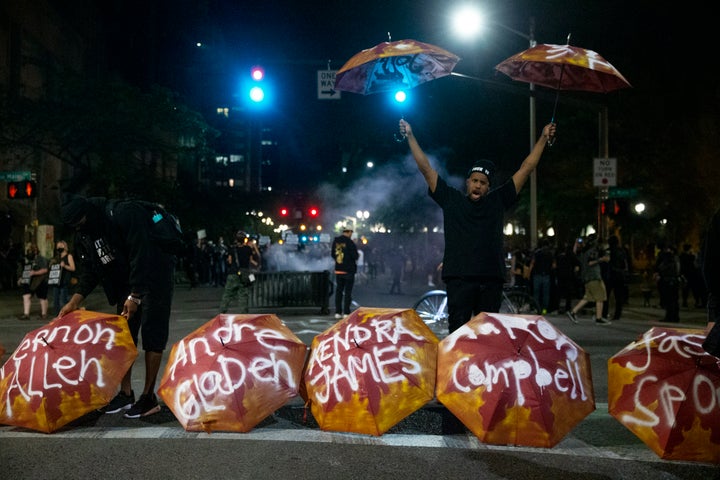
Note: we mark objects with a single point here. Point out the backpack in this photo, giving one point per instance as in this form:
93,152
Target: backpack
165,228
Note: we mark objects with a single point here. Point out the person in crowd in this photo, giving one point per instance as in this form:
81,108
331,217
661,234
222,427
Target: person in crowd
34,281
617,272
220,254
542,266
473,262
115,247
520,265
667,273
567,272
396,262
710,271
65,263
10,255
361,267
242,260
693,281
344,251
590,259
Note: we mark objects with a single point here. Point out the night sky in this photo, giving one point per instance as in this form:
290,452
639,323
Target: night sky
665,53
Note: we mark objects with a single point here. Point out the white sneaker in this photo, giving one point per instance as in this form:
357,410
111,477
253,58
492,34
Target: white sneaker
338,316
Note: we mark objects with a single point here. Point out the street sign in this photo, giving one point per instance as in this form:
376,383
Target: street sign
605,172
18,176
326,85
622,192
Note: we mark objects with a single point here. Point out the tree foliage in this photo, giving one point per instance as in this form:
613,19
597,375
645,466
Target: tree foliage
111,137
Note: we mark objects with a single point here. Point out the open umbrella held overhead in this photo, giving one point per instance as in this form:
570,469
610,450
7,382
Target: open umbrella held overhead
391,66
563,67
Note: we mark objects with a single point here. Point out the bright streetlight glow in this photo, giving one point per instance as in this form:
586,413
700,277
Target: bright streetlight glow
639,208
467,22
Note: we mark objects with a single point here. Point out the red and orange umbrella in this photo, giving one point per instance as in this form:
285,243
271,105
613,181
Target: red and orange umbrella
371,370
563,67
390,66
65,369
232,372
514,379
664,388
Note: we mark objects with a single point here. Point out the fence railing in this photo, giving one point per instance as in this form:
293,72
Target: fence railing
292,290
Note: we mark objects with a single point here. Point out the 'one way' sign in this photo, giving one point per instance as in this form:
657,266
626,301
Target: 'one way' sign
326,85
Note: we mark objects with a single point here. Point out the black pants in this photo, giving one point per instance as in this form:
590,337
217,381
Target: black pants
669,298
615,285
469,297
344,283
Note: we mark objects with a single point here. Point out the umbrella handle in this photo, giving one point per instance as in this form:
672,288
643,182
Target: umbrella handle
551,140
400,137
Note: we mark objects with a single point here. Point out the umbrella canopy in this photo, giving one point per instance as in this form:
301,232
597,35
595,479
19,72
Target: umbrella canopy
65,369
514,379
371,370
390,66
664,388
563,67
232,372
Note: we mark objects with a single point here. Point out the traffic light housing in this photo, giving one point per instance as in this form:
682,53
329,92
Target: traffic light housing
22,189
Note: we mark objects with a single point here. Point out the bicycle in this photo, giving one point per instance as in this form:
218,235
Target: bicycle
432,307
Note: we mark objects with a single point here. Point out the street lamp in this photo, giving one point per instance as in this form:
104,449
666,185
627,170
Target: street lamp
468,21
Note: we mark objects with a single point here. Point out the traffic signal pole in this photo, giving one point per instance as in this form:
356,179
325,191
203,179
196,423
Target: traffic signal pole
603,152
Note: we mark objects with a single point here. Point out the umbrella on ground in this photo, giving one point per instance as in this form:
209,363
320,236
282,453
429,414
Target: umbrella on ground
392,66
563,67
232,372
514,379
664,388
371,370
65,369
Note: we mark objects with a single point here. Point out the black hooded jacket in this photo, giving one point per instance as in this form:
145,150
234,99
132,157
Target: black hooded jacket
115,249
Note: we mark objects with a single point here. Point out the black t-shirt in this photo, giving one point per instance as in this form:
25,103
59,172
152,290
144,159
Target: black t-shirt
543,261
474,230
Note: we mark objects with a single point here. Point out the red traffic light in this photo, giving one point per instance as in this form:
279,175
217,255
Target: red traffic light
257,73
313,212
284,211
23,189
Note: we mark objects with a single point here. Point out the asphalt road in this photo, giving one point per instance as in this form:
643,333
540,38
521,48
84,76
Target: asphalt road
290,444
